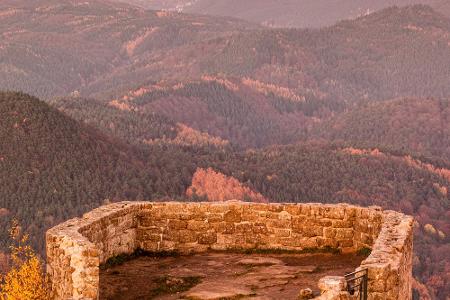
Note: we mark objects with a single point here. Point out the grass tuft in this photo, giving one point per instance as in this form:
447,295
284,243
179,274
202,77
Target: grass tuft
123,258
173,285
364,251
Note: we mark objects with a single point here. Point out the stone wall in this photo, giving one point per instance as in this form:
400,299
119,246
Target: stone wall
77,247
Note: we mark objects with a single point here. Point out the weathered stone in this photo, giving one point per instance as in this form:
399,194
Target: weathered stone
305,294
282,232
311,231
223,227
197,225
214,218
233,216
177,224
344,233
244,227
332,283
329,232
187,236
207,238
259,228
256,261
77,247
215,291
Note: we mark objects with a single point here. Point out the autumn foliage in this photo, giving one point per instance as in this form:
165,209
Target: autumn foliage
216,186
25,280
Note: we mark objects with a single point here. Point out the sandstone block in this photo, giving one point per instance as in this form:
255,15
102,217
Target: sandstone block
244,227
345,243
293,209
311,231
323,222
276,223
259,228
342,224
197,225
282,232
275,207
233,216
218,208
214,217
223,227
187,236
329,232
332,283
207,238
177,224
344,233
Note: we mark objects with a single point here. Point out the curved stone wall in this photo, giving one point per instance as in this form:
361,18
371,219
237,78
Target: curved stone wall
76,248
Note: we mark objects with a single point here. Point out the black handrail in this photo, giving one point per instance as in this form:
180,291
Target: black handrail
357,282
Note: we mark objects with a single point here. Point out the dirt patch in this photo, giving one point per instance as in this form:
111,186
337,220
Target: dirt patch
222,275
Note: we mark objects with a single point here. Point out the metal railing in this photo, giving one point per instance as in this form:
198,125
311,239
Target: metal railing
357,283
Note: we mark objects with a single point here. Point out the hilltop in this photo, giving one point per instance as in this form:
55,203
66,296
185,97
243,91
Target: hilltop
290,13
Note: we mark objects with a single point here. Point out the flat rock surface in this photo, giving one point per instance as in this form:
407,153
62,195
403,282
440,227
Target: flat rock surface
218,290
222,275
260,260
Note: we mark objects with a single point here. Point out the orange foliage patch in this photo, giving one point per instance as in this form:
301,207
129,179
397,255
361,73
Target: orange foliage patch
266,88
131,46
354,151
163,13
189,136
225,82
120,105
444,173
216,186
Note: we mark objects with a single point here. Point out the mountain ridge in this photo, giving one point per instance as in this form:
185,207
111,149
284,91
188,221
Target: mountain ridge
293,13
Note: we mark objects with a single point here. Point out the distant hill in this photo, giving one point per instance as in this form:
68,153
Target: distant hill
419,126
247,113
391,53
172,67
56,47
287,13
136,127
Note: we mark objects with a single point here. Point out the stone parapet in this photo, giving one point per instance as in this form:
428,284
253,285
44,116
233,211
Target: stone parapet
76,248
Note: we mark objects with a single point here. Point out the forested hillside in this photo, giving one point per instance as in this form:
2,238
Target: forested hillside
56,47
331,174
53,168
420,126
244,112
397,51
